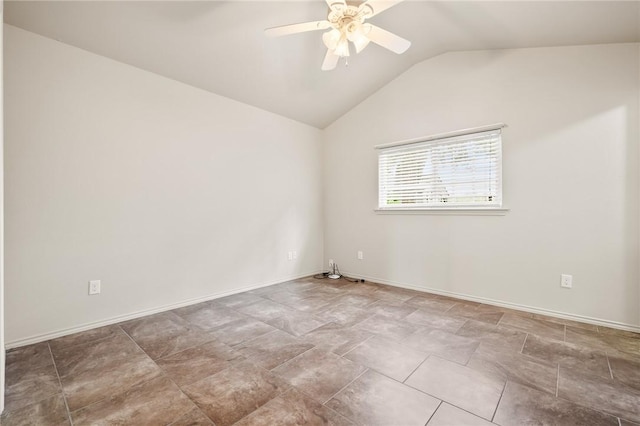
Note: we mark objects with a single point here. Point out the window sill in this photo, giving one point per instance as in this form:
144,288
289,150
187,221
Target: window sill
479,211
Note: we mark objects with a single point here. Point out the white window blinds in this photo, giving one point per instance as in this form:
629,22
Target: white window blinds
453,172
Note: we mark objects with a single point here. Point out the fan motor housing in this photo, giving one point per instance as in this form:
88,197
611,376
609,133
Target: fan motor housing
341,16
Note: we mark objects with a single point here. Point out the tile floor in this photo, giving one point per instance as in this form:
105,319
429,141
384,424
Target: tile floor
330,352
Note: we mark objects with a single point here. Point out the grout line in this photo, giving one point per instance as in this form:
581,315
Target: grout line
564,338
186,396
359,344
64,397
138,346
257,337
465,410
466,320
414,370
289,360
609,364
499,400
524,343
434,412
347,418
347,385
172,353
619,422
557,379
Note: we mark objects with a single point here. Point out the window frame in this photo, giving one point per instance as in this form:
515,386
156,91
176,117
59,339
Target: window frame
468,209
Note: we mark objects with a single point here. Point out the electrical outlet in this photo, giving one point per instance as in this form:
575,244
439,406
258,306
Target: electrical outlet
360,255
290,255
295,255
94,287
566,281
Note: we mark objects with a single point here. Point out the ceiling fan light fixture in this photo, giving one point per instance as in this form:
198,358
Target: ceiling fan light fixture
361,43
357,36
331,39
342,49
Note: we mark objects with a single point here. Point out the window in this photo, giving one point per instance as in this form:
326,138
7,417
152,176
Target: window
455,171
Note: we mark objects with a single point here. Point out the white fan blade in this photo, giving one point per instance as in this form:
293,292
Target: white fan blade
297,28
377,6
330,61
388,40
336,4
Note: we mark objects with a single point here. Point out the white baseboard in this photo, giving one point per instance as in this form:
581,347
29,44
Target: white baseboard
120,318
515,306
114,320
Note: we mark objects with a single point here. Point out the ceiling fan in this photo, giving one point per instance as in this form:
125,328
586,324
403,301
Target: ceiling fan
347,23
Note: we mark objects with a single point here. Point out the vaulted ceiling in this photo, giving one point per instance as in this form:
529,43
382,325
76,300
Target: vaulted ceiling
220,46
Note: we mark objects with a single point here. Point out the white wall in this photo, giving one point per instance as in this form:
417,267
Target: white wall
168,193
570,179
164,192
2,349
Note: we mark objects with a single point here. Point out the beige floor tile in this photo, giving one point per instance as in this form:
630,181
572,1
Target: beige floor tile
293,352
30,376
521,405
538,327
374,399
344,314
387,327
266,310
604,341
195,417
394,310
85,336
431,303
319,374
197,363
443,344
516,367
625,369
271,350
458,385
336,338
568,355
238,300
297,323
503,338
166,333
234,393
93,371
158,401
438,320
293,408
239,331
607,395
448,415
49,411
387,357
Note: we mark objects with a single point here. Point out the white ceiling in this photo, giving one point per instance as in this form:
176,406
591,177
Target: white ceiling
219,46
